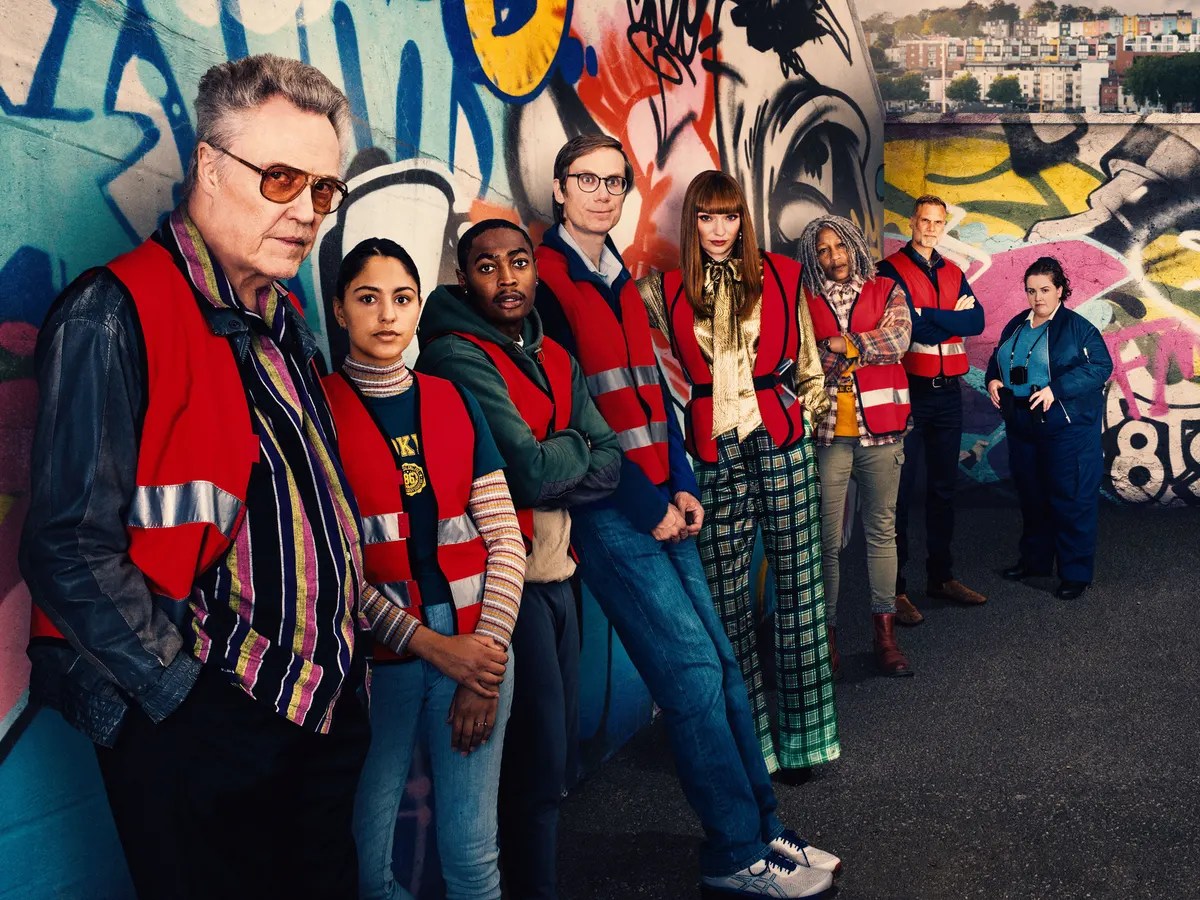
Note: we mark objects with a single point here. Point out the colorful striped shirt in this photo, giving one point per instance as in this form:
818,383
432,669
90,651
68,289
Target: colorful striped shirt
491,509
280,613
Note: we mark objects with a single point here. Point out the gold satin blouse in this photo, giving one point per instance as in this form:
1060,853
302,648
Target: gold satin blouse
729,343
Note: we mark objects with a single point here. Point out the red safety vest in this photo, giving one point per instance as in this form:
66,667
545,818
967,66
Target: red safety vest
377,479
543,411
197,445
932,360
617,358
882,390
778,343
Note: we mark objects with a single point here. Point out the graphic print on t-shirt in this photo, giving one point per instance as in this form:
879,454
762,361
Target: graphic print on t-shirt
408,448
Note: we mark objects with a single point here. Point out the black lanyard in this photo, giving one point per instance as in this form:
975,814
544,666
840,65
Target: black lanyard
1012,352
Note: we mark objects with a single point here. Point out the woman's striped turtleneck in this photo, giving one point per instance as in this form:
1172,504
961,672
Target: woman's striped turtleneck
378,381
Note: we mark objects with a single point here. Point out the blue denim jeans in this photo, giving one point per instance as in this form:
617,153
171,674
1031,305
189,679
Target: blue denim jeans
409,703
658,601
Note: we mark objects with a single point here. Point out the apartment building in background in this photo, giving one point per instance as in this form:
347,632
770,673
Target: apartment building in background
1061,66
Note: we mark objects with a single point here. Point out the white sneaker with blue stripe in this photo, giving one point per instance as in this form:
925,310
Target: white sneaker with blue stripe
773,876
802,853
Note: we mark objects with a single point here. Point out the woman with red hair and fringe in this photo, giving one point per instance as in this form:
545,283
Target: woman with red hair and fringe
738,325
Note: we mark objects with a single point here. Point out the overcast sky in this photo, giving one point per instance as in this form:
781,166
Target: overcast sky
904,7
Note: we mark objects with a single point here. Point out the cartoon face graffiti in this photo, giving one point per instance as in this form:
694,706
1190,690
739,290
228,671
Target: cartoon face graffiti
804,138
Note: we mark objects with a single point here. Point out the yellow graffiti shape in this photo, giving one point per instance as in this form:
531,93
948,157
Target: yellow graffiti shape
1072,184
1174,261
516,63
909,165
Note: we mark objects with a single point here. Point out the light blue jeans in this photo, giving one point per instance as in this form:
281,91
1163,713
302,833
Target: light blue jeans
409,703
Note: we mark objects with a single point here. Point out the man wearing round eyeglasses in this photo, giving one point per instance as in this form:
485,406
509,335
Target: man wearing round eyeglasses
635,546
193,550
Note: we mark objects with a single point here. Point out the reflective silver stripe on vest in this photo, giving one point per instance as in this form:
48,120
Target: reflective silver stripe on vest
646,376
456,530
883,396
467,591
948,349
168,505
381,529
397,592
616,379
642,436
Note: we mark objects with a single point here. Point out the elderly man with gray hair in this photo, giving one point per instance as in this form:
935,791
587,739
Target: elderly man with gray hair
193,550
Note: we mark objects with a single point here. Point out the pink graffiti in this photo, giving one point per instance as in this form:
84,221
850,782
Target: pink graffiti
1173,342
18,403
1092,270
14,635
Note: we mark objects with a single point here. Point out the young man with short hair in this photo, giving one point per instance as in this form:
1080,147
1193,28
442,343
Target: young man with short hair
484,334
636,549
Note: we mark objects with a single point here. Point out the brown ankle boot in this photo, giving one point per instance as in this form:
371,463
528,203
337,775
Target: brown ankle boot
888,655
835,661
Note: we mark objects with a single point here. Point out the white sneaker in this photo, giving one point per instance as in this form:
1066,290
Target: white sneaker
792,846
774,876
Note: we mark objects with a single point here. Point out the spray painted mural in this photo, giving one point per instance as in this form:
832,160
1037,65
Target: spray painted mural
459,107
1115,200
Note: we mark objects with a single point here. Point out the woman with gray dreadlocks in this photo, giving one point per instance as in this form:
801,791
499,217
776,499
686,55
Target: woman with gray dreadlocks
863,328
740,330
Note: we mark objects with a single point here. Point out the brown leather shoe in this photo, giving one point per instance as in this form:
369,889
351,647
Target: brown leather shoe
906,613
888,655
956,591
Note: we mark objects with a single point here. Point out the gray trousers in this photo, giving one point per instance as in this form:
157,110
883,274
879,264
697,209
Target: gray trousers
876,470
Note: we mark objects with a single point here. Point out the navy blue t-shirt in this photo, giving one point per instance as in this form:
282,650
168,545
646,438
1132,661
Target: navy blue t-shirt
398,416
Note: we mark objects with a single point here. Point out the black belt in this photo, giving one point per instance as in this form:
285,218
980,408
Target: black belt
761,383
936,382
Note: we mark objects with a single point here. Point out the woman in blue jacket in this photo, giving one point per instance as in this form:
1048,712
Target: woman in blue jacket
1047,377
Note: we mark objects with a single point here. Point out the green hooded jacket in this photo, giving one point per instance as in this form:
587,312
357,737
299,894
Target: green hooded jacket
578,464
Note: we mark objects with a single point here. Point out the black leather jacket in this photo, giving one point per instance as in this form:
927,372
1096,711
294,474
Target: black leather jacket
121,646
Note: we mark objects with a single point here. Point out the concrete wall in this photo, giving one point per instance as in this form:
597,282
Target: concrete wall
1114,198
459,107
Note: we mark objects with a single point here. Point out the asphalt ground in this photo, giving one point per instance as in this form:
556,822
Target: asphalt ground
1044,749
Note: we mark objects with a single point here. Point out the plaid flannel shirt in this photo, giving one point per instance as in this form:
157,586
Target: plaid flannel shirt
881,346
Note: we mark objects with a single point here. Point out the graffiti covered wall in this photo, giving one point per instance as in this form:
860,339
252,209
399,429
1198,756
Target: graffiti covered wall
459,107
1114,198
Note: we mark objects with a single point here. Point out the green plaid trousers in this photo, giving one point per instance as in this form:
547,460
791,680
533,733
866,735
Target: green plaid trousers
756,484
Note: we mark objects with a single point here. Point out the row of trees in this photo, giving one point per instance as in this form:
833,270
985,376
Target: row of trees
1172,82
1005,89
904,88
967,20
964,89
